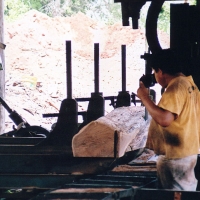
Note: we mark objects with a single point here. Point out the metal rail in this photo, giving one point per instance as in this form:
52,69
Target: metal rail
110,185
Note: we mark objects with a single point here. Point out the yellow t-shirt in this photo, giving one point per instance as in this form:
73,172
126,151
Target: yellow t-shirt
181,137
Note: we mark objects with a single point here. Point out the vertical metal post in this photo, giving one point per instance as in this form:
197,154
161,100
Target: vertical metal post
67,122
96,67
148,70
2,72
115,144
69,69
123,68
96,104
123,98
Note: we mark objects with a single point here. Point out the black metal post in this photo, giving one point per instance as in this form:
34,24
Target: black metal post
67,122
123,67
96,67
123,98
69,69
96,104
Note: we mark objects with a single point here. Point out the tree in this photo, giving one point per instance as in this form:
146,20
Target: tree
104,10
14,9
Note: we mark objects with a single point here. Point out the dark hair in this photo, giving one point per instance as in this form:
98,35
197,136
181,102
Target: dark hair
166,60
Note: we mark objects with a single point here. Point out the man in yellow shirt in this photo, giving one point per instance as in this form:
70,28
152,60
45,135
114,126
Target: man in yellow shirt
174,130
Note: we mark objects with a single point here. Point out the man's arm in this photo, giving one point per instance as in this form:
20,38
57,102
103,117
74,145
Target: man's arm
162,117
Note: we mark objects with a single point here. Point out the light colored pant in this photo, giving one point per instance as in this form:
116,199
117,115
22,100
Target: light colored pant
177,174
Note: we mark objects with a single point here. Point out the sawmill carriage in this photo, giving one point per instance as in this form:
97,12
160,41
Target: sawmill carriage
40,164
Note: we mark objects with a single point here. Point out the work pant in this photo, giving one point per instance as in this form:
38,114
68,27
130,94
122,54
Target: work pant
177,174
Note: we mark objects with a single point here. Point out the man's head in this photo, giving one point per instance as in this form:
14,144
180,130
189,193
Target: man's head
166,61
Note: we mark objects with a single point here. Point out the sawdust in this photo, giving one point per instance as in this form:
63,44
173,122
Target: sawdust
36,62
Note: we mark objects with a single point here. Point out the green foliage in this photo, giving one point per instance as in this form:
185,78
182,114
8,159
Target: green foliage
106,11
101,10
14,9
164,18
35,4
76,6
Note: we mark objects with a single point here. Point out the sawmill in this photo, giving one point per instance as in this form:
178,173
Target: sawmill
104,157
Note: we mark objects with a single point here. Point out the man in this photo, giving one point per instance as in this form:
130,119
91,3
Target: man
174,129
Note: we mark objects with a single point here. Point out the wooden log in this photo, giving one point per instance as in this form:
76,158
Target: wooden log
97,139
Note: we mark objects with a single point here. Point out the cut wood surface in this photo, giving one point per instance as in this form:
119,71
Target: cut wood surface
97,139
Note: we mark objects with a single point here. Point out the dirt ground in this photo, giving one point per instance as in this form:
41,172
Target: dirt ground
36,62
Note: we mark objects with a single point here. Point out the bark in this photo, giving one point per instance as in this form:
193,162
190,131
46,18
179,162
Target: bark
97,139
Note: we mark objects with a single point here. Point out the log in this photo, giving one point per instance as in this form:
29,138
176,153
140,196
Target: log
98,138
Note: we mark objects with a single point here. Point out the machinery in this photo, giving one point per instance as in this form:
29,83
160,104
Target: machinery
37,164
24,129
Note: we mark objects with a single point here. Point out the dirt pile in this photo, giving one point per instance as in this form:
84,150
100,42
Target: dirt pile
36,62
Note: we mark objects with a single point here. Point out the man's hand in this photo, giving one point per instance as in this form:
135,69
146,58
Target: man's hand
142,91
162,117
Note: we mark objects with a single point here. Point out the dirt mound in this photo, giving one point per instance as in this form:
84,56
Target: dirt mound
36,61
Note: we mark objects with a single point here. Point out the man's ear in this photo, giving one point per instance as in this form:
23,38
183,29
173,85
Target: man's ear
160,71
